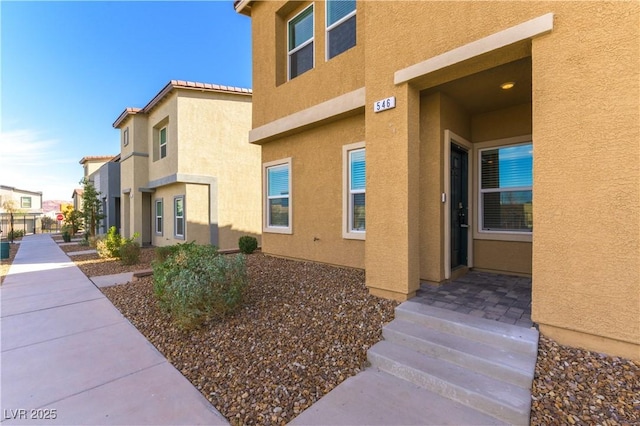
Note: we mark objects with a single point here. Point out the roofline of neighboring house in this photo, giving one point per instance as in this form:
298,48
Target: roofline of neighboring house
14,189
127,112
97,157
78,191
184,85
243,6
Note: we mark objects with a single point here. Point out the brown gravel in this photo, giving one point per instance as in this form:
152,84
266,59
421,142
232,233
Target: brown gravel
575,386
5,264
74,247
304,329
92,265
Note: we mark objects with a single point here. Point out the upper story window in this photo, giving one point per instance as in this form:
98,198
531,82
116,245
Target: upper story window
25,202
125,137
162,138
341,26
506,183
300,45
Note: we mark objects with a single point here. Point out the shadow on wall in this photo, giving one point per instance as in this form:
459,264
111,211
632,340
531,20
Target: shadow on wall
228,236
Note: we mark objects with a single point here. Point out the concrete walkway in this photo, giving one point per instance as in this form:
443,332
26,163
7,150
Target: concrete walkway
67,353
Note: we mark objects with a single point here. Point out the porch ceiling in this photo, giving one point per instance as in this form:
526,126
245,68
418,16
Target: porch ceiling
479,93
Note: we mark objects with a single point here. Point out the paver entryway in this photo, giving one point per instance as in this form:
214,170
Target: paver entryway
70,356
503,298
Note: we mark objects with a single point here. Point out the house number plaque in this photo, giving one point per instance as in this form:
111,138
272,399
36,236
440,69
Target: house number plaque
384,104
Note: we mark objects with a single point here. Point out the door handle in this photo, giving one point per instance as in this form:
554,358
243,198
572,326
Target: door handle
464,226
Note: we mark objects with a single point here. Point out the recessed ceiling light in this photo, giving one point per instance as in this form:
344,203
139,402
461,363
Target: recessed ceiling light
508,85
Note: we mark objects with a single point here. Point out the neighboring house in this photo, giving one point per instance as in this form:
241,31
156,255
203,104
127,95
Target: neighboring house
77,197
103,171
107,181
188,172
461,126
26,207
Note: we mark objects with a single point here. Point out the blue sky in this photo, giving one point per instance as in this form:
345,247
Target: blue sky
68,69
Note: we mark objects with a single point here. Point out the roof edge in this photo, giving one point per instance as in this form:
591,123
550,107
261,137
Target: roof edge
126,113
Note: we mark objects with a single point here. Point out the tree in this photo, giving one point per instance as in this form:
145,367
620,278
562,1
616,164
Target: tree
72,218
47,223
10,207
91,207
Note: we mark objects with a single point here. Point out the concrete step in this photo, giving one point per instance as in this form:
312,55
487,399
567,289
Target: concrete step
499,399
373,397
505,336
513,367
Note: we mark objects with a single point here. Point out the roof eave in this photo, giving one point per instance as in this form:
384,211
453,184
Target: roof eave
243,7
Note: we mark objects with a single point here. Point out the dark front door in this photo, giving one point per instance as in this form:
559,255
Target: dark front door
459,206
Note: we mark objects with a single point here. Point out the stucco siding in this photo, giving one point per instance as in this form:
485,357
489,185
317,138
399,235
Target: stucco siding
317,191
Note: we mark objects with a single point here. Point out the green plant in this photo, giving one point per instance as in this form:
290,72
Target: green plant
130,253
247,244
66,236
163,252
15,234
109,246
196,284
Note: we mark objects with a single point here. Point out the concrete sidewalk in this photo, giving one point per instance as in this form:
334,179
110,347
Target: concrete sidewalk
69,357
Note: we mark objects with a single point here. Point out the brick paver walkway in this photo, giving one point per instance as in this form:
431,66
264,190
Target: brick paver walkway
503,298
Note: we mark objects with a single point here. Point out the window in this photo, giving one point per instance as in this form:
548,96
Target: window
25,202
159,217
278,196
125,137
354,173
341,26
178,214
162,138
506,195
300,47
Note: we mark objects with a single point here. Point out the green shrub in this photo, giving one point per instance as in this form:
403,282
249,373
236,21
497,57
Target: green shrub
66,237
165,251
15,234
196,284
109,246
247,244
130,253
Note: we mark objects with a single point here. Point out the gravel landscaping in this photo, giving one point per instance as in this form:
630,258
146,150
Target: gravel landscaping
306,328
5,264
93,265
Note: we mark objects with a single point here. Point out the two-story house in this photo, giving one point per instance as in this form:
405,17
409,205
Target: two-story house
187,170
22,206
104,174
418,140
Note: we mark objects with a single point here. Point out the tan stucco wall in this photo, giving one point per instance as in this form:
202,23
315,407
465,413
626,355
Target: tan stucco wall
218,146
164,114
310,88
316,202
585,126
586,253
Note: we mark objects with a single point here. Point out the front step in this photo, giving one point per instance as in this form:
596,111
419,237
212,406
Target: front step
517,368
485,365
508,337
499,399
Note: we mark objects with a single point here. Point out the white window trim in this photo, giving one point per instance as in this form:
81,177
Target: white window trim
161,217
182,236
22,200
347,232
265,191
332,26
160,144
478,232
311,40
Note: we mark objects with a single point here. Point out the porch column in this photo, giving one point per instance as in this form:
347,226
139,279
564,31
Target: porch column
392,155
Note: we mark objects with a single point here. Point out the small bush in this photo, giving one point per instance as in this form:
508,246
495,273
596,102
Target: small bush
196,284
162,253
15,234
109,246
66,237
247,244
130,253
